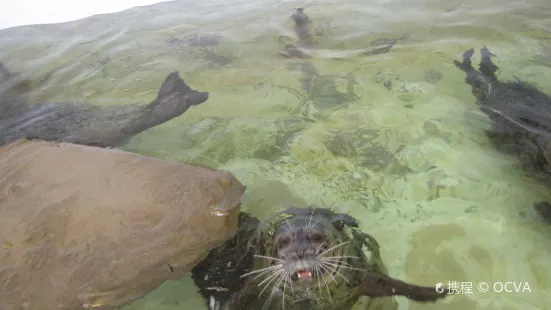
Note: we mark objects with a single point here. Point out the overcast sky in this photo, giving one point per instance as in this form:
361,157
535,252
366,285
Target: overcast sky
26,12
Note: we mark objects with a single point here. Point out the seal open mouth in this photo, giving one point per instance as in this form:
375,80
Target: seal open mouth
302,274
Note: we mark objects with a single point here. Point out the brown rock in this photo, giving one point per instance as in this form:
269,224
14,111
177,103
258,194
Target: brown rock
84,227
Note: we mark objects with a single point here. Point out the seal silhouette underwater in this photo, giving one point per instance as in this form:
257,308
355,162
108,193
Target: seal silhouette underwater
306,41
300,258
520,115
88,124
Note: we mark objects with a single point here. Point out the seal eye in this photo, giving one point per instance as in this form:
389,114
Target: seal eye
316,237
284,241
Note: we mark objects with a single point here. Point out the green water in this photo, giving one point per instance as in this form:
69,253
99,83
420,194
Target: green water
411,162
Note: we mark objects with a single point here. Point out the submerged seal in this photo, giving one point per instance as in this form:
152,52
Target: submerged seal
302,258
304,46
305,39
520,115
88,124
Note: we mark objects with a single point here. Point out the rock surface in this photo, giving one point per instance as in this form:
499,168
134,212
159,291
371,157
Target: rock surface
86,227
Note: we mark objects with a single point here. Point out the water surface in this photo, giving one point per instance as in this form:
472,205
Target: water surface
393,139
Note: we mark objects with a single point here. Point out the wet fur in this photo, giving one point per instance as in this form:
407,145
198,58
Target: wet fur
222,277
520,115
87,124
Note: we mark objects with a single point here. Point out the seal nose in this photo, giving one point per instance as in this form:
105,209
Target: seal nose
303,250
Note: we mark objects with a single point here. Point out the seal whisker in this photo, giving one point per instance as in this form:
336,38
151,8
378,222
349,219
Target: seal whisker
325,281
328,270
310,220
334,247
287,276
279,273
318,272
272,293
336,271
336,261
320,246
264,273
289,224
315,223
343,266
272,276
263,270
340,257
270,258
274,289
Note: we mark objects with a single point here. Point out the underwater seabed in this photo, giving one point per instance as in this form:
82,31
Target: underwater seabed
393,139
418,172
412,163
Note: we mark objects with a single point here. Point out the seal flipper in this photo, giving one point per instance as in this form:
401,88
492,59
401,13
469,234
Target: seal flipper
375,284
174,98
487,67
480,86
174,84
466,66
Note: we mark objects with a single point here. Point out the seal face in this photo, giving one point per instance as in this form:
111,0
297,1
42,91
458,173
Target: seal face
301,258
520,115
308,257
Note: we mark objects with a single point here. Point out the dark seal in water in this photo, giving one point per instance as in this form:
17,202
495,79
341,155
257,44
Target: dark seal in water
305,44
305,39
520,115
301,258
88,124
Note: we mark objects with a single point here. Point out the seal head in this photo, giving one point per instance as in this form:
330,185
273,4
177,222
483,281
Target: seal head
305,248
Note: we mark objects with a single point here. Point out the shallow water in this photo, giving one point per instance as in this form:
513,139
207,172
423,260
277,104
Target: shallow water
409,160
